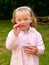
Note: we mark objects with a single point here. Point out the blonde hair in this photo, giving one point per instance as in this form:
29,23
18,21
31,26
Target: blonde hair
24,8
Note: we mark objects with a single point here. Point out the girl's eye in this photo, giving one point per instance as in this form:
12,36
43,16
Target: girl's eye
26,19
19,20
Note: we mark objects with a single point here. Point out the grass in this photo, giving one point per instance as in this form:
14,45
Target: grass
44,30
5,27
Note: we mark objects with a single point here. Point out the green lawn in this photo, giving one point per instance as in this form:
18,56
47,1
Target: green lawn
5,27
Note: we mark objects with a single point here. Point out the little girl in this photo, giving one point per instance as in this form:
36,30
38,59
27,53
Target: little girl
25,41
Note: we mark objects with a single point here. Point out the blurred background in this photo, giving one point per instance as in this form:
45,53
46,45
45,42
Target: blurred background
40,7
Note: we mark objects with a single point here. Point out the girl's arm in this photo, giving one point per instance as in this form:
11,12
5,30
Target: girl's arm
10,41
40,44
38,49
12,36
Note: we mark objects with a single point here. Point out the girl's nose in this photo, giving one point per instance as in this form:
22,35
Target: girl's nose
22,21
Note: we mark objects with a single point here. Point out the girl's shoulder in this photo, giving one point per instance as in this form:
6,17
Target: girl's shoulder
34,30
10,32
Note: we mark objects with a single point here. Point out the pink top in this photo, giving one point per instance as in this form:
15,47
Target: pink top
19,57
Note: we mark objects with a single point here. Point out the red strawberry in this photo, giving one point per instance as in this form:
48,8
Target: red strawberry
21,25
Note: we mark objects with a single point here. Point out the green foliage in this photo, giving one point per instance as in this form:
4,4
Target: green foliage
6,7
41,8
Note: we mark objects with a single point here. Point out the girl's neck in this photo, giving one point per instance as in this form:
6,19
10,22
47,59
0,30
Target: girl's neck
26,29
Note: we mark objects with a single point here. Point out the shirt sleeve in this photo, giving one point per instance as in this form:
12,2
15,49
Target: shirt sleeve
40,44
10,40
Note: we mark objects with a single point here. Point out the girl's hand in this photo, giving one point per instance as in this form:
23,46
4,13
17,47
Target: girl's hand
31,50
16,29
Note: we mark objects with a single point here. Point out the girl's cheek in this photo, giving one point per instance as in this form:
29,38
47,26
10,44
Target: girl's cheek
27,22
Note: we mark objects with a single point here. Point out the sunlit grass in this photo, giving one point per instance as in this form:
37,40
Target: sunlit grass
5,54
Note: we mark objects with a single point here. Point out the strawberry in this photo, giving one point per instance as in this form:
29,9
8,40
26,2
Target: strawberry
20,25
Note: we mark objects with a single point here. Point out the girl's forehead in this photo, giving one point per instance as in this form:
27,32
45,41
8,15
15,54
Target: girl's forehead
23,12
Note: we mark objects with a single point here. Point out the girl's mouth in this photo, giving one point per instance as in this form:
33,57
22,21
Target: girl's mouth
21,25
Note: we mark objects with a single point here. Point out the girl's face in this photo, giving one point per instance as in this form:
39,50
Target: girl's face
23,17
